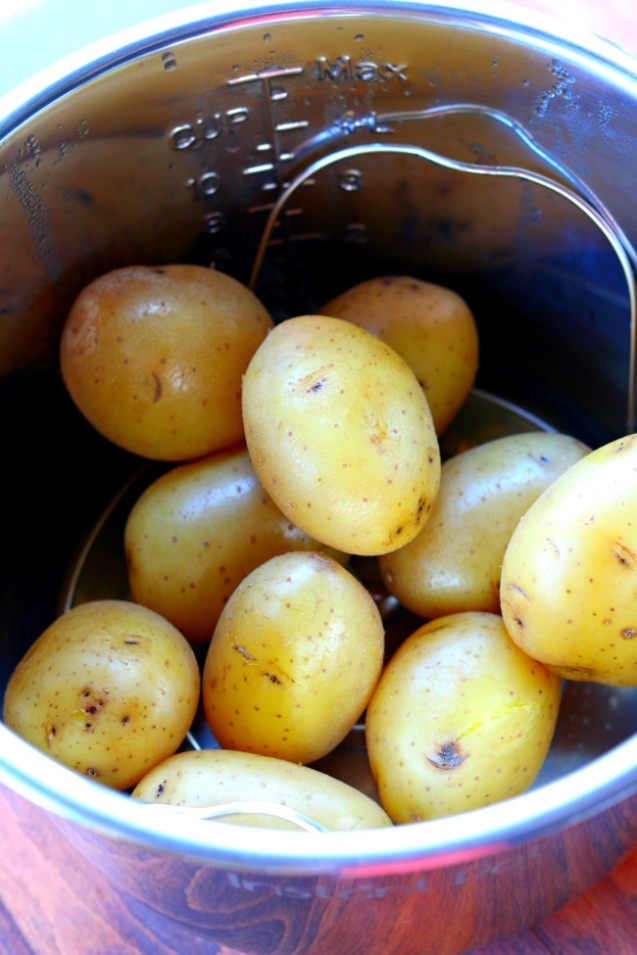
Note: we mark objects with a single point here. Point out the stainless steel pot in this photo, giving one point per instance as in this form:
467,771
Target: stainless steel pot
173,143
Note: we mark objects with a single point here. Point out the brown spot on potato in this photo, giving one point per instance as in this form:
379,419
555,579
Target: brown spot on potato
624,555
448,756
625,444
273,678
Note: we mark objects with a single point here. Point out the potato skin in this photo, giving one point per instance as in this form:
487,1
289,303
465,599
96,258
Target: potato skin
109,689
293,660
454,563
460,718
340,434
196,532
431,326
153,358
213,777
569,577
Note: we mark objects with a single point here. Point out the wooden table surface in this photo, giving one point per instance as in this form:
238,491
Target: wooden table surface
52,902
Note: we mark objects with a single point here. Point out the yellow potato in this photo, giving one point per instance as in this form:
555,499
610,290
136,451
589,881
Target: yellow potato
569,577
196,532
153,358
217,777
293,660
109,689
340,434
431,326
460,718
454,563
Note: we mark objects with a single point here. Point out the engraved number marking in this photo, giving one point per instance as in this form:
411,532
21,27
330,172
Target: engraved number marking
205,185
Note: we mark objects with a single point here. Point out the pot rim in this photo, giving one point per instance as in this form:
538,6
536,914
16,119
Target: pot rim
581,794
101,56
453,840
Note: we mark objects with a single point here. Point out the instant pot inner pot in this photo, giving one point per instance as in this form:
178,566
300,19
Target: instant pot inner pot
179,151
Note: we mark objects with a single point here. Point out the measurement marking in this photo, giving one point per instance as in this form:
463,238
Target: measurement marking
273,91
270,186
266,78
237,80
289,127
279,71
238,115
307,236
269,206
266,75
299,237
255,170
303,185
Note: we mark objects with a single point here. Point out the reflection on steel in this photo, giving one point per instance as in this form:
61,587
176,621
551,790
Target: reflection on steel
245,807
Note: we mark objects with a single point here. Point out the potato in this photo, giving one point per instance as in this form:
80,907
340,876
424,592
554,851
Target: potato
215,777
153,358
109,689
431,326
196,532
569,577
454,563
340,434
293,660
460,718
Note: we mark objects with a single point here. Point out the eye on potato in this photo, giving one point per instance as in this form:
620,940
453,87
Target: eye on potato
454,563
196,532
216,777
461,718
293,660
431,326
340,434
153,358
569,576
109,689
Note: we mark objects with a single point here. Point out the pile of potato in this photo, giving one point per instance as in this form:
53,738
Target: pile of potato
294,454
